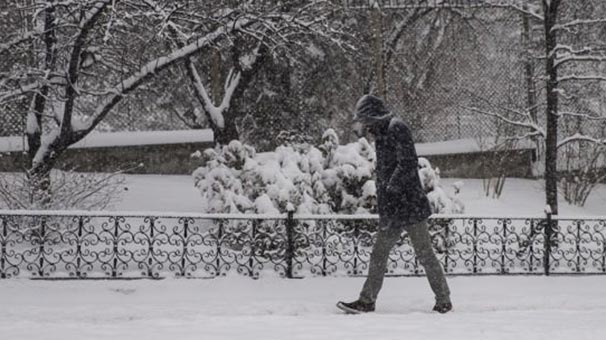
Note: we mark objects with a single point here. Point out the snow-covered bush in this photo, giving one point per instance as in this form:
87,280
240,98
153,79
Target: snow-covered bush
329,178
440,201
219,181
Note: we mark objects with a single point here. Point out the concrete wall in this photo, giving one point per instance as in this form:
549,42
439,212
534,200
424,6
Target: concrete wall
155,159
516,163
175,159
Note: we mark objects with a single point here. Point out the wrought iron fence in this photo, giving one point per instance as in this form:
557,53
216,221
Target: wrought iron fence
112,245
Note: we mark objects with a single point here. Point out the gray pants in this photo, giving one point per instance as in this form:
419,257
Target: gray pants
421,242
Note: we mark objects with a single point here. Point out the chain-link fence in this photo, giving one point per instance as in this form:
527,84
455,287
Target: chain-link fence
12,110
471,58
12,119
472,69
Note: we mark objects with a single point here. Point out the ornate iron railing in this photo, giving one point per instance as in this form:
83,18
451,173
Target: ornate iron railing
154,245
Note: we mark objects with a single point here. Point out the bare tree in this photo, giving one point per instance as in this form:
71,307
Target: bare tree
71,190
573,59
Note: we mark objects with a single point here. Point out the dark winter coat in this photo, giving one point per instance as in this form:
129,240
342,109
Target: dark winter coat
400,197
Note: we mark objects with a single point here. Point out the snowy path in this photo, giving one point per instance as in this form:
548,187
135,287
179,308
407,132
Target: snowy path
512,308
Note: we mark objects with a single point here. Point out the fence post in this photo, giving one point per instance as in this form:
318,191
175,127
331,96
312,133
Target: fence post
79,248
504,247
356,251
530,247
219,248
185,236
150,248
446,227
3,245
115,246
290,246
548,231
578,247
475,246
42,235
253,250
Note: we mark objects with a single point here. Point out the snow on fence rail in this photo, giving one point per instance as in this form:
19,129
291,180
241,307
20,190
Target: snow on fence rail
404,4
79,244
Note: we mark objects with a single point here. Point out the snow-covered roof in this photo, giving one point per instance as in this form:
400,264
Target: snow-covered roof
461,146
136,138
127,138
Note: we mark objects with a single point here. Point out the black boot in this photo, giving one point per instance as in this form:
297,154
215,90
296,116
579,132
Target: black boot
356,307
442,308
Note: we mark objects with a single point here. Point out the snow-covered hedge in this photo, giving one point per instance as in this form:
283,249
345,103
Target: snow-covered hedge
324,179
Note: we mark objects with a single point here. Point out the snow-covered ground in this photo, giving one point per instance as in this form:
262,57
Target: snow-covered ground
520,196
487,308
271,308
172,193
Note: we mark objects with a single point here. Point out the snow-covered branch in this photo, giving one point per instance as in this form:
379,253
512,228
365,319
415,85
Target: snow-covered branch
155,66
571,50
87,23
5,95
565,53
567,58
90,16
247,61
568,25
18,40
301,23
573,77
537,130
525,136
577,137
582,115
532,12
216,113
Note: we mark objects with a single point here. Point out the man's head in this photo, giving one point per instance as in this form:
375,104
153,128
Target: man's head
370,111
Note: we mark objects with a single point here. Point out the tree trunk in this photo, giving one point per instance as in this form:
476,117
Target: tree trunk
377,18
531,90
39,181
229,132
216,83
551,140
39,175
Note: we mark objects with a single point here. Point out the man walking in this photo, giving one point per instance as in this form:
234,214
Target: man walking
402,205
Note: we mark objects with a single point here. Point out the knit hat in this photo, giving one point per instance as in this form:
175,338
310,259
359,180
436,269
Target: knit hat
371,109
